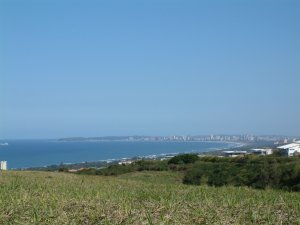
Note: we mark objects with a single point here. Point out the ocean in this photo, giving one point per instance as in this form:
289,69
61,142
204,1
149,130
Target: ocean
35,153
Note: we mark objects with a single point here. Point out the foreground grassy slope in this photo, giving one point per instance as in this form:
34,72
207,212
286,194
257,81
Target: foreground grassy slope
136,198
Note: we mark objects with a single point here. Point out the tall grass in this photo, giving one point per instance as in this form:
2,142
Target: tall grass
136,198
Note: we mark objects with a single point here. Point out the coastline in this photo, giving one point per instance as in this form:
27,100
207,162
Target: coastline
161,156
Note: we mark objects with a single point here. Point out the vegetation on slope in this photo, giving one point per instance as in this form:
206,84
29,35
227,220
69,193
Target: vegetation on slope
252,171
149,197
256,172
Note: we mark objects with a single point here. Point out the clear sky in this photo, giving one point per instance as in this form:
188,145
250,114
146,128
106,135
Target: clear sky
149,67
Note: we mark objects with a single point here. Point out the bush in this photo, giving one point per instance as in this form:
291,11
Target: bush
183,159
257,172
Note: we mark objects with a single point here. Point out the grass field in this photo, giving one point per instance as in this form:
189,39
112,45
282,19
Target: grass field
136,198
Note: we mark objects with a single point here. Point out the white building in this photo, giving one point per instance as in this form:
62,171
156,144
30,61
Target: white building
234,153
3,165
262,151
125,162
290,149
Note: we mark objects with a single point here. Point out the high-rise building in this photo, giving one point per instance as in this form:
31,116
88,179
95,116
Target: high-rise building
3,165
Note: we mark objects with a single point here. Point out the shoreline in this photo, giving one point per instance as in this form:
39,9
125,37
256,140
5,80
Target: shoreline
161,156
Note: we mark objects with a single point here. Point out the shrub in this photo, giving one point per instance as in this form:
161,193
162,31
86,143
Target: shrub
258,172
183,159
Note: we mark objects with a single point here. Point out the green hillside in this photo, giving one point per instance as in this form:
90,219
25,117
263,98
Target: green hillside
136,198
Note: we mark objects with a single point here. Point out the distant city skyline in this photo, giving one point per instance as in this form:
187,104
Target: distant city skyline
115,68
196,137
212,137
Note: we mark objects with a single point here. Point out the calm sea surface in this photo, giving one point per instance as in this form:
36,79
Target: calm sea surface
31,153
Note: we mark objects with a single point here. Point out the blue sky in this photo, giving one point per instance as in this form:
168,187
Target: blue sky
150,67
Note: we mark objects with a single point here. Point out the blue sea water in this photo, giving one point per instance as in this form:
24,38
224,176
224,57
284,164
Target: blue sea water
33,153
